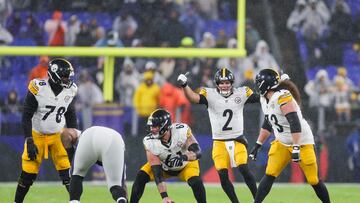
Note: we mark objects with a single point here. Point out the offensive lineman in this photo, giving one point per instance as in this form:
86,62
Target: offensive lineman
48,106
171,150
293,137
225,105
105,147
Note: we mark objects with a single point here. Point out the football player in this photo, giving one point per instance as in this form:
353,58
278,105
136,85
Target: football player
105,147
225,105
171,150
294,140
49,106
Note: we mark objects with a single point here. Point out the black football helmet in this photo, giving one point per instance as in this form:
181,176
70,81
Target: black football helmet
267,79
224,74
60,71
160,118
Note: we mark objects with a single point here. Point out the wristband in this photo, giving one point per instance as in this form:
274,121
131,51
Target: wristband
164,194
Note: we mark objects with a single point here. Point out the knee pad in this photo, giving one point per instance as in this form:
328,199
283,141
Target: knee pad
26,179
65,176
196,180
313,180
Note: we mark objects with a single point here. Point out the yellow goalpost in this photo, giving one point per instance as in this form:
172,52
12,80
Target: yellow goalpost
111,52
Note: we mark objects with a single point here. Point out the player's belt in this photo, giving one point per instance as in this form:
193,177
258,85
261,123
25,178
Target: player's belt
43,134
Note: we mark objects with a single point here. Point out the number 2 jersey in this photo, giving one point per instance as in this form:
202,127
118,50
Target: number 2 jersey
49,116
177,146
226,113
278,121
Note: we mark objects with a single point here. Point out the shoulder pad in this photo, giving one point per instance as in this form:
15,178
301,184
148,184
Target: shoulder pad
284,97
203,91
248,91
35,85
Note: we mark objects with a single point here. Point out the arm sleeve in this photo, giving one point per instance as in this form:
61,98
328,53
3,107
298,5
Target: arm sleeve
70,116
254,98
156,169
293,119
30,106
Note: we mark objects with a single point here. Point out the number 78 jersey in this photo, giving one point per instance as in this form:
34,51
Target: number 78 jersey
49,116
226,114
278,121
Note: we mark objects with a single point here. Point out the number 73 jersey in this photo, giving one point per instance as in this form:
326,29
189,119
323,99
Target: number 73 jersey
226,114
49,116
278,121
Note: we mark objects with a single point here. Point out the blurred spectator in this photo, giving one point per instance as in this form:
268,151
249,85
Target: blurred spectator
193,23
56,29
261,58
341,3
110,40
12,104
173,100
5,11
342,100
341,31
127,82
40,70
319,91
294,20
125,24
84,38
32,30
222,39
342,73
152,67
248,79
353,148
166,67
97,31
89,94
208,9
146,100
207,41
314,21
171,30
14,24
73,30
252,36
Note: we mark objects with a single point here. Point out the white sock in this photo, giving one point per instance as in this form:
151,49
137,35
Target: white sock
74,201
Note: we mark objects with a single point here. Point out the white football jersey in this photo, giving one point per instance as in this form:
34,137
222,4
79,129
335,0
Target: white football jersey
226,114
177,146
49,117
278,121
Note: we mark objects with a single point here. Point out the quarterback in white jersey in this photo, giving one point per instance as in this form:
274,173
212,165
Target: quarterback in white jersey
225,105
171,150
294,139
49,106
105,147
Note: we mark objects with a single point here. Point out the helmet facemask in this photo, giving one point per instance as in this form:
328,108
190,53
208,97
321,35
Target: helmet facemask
266,80
225,88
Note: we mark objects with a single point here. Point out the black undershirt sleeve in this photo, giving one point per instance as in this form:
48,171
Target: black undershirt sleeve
156,169
70,116
30,107
203,100
294,121
266,125
254,98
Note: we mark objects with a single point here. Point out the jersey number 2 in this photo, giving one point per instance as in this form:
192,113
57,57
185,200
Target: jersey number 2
227,113
59,113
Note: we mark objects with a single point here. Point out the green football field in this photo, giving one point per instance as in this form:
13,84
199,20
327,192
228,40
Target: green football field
181,193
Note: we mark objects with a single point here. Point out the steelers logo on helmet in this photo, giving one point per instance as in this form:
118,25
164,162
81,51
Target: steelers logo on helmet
159,122
60,71
267,79
224,80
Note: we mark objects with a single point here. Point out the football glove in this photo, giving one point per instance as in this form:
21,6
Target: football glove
254,151
31,148
295,155
178,160
182,79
